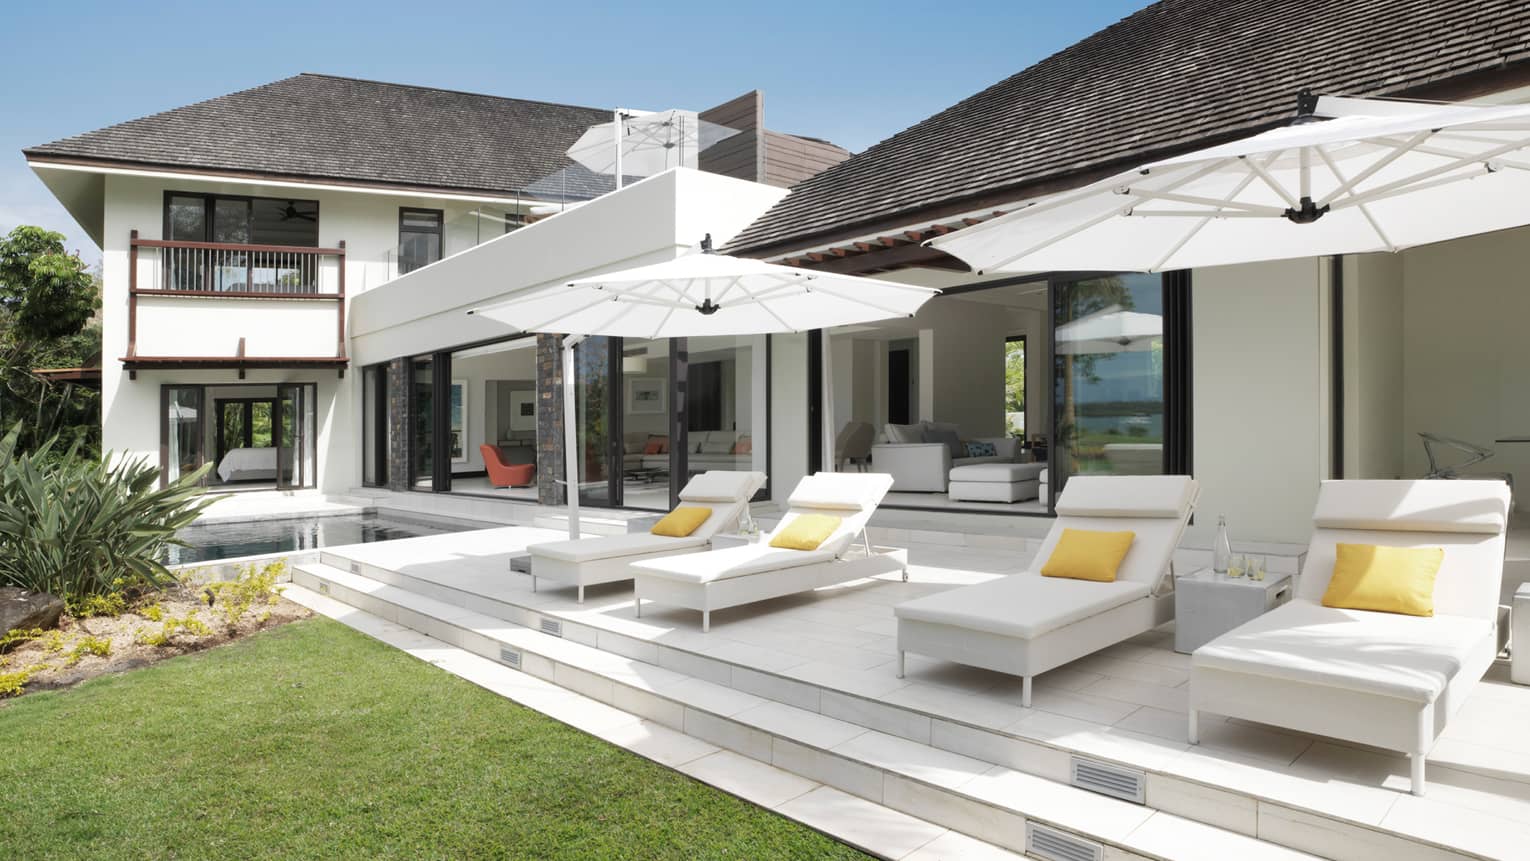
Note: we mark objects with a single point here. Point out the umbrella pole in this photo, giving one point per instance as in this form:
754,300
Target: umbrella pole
571,435
618,125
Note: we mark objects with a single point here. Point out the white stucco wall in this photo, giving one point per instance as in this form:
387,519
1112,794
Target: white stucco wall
1259,416
1373,366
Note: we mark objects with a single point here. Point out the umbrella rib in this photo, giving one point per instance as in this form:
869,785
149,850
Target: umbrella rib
1373,196
1197,228
767,309
1364,210
542,327
663,321
838,295
1451,153
1398,152
1417,180
1257,209
1269,180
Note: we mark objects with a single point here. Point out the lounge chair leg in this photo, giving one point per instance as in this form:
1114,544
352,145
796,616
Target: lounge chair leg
1418,773
901,653
706,621
1194,728
1025,691
905,575
581,594
533,583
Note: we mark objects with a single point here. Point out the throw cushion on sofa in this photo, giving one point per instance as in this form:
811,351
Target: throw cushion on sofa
656,445
1384,579
904,434
949,438
716,447
981,449
745,445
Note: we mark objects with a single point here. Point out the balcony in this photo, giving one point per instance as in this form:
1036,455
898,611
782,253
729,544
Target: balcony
216,305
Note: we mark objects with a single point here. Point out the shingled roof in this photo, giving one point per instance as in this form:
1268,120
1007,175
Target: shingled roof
332,128
1172,76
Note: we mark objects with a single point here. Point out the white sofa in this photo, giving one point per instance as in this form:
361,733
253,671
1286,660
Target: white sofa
919,466
1382,679
605,559
1025,624
754,572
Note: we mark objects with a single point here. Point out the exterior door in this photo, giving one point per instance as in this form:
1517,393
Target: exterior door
294,422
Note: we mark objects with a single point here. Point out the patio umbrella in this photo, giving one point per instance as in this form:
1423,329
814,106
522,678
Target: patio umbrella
696,296
1110,330
650,143
1402,175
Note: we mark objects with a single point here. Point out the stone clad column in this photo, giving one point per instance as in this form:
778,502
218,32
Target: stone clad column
549,420
398,372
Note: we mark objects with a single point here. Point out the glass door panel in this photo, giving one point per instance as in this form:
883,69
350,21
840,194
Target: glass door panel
643,398
294,413
1108,383
182,431
422,422
592,397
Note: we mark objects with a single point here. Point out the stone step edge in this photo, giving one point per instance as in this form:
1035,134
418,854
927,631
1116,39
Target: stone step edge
980,822
607,641
372,626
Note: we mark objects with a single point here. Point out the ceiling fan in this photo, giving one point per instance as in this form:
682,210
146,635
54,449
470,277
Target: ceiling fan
290,212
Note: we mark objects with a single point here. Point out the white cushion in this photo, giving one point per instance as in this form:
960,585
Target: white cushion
720,445
1127,496
612,546
722,486
841,491
997,471
1414,506
904,434
1021,605
730,562
1410,657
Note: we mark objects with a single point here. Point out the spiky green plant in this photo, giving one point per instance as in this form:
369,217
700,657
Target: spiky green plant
81,528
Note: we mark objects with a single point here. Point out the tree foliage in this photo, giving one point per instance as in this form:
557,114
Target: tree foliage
48,299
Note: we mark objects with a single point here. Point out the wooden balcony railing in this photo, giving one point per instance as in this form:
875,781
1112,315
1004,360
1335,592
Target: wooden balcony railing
213,270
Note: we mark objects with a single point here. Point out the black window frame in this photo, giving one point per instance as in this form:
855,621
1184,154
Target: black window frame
439,233
209,203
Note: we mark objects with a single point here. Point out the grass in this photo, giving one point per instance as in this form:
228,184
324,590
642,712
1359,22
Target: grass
314,741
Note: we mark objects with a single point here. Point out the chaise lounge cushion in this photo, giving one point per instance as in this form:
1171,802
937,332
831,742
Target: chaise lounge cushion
612,546
1409,657
1021,605
731,562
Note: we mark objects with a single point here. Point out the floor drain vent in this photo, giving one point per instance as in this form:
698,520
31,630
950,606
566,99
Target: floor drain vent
323,588
510,656
552,626
1127,784
355,567
1052,844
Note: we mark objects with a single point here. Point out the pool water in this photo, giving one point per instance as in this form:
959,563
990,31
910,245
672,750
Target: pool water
207,542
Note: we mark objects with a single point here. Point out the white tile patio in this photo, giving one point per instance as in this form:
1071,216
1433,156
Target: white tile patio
832,652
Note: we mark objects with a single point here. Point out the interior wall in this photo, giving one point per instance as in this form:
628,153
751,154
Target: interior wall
1466,362
788,413
486,376
1373,366
1258,425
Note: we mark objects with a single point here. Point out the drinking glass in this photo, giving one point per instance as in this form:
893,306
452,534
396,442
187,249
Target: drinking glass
1237,566
1256,567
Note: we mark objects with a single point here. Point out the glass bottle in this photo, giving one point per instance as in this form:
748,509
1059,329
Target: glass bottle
1221,551
746,525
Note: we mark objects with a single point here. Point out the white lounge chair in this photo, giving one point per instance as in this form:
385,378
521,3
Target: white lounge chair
1026,624
1383,679
604,559
755,572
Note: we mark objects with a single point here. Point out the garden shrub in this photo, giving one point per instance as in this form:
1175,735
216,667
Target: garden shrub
254,585
98,646
82,528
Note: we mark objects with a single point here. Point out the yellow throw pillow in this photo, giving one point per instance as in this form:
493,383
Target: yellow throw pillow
1386,579
682,521
1083,554
806,532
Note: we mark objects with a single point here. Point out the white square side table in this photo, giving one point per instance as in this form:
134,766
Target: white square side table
1519,638
1208,605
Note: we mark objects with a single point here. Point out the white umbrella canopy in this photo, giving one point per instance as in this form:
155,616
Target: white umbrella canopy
1111,330
708,294
651,143
1409,175
696,296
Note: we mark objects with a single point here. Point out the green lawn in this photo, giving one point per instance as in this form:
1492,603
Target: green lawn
314,741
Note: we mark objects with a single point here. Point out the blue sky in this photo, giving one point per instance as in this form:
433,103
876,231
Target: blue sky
854,73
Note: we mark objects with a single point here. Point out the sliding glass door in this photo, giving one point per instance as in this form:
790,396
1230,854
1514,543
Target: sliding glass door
255,436
1109,376
294,430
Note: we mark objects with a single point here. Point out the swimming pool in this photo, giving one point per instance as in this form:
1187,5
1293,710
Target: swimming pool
207,542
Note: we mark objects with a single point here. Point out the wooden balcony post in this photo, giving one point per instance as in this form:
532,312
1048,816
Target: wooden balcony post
340,303
133,294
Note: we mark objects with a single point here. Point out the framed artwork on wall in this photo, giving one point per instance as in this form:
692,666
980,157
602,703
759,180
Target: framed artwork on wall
523,410
645,396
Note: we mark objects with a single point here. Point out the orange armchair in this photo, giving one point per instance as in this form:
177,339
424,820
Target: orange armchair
503,474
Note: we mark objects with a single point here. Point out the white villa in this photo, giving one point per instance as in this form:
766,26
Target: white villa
294,312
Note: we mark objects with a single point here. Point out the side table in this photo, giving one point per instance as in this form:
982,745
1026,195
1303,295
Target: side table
1208,605
1519,642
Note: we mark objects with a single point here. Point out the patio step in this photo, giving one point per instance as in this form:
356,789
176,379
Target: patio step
973,796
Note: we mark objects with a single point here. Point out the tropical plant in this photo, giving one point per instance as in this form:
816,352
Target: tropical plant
80,529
